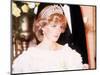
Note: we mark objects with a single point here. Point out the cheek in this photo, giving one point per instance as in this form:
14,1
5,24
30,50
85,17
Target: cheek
48,32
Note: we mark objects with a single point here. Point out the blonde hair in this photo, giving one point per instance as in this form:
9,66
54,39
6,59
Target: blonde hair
45,18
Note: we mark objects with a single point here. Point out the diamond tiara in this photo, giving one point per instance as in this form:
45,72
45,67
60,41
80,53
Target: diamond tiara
51,9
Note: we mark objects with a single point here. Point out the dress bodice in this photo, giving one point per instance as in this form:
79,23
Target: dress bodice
40,60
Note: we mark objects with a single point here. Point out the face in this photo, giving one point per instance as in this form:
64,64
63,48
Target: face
52,31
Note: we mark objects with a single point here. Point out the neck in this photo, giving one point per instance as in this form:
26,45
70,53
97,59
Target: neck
47,44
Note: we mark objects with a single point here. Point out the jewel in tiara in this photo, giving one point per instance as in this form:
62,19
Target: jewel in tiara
51,9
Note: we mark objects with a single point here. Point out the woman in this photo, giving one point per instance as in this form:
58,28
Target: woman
48,55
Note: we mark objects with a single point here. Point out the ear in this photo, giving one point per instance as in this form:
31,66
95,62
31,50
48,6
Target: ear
44,28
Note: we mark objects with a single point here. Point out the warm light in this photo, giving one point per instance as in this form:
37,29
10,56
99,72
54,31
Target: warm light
25,8
31,4
85,19
15,10
24,25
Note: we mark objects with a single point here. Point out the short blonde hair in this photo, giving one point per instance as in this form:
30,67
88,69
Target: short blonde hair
45,19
